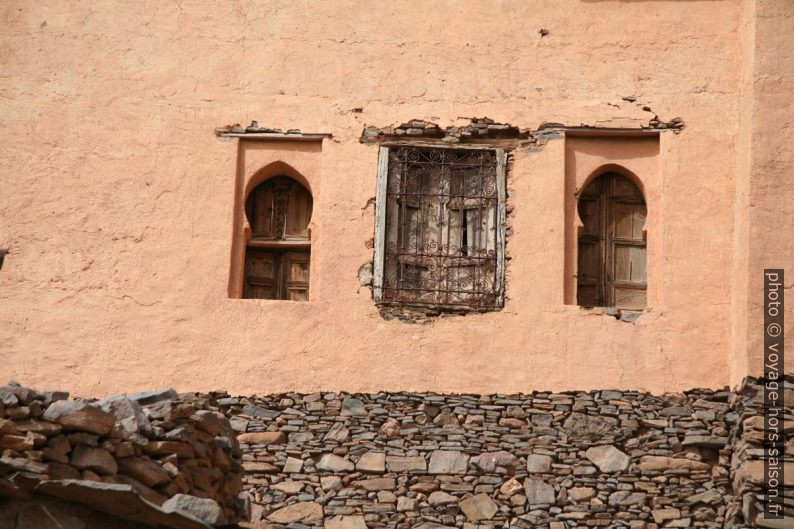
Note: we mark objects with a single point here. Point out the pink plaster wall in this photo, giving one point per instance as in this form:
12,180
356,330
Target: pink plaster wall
118,203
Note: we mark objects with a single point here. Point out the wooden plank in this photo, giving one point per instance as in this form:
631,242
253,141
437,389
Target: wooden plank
380,223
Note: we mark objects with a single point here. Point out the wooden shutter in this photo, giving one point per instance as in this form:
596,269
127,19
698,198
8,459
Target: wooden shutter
626,258
296,276
277,259
612,261
261,273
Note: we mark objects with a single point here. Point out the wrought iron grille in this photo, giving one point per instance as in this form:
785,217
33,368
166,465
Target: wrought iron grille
441,242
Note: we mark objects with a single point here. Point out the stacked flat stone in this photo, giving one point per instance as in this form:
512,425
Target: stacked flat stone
747,464
539,460
168,448
477,130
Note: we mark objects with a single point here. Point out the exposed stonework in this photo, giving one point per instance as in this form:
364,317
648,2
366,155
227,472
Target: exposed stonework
486,130
555,461
152,457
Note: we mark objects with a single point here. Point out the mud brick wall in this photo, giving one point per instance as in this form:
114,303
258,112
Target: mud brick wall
539,460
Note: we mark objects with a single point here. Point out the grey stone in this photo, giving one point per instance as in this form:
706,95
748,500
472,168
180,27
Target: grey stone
581,426
406,463
259,412
539,492
80,416
448,462
538,463
354,407
345,522
204,509
626,497
709,496
441,498
338,432
491,461
150,397
705,441
608,458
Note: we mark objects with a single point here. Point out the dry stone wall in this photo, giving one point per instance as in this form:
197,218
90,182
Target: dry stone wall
539,460
152,457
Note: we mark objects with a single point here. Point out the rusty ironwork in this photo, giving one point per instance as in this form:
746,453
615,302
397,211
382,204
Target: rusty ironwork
441,228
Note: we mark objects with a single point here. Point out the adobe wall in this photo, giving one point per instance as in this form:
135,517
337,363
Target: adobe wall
118,207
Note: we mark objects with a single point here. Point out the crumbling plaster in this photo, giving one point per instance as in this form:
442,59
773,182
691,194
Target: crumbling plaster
118,206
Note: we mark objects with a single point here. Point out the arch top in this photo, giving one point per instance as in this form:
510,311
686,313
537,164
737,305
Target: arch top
612,168
272,170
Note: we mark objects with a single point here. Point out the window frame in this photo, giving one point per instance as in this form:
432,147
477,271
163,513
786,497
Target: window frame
380,221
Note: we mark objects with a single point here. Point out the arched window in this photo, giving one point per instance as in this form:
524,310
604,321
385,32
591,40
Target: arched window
278,253
612,251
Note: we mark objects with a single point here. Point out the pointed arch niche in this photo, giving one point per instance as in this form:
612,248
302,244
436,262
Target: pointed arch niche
612,190
275,197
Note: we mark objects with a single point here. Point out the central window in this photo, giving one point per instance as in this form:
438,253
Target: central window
440,227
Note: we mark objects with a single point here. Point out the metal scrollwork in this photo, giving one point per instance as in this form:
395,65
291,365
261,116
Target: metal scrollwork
441,227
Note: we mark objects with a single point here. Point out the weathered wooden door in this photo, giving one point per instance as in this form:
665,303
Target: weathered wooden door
612,251
278,254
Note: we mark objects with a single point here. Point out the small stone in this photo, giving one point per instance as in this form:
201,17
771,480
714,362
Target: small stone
386,496
373,462
304,511
146,471
406,463
338,432
375,484
709,496
345,522
441,498
448,462
538,463
96,459
478,507
262,438
204,509
662,515
290,488
354,407
608,458
650,463
334,463
626,498
150,397
406,504
329,483
581,493
80,416
491,461
510,487
539,492
705,441
390,429
259,412
292,465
